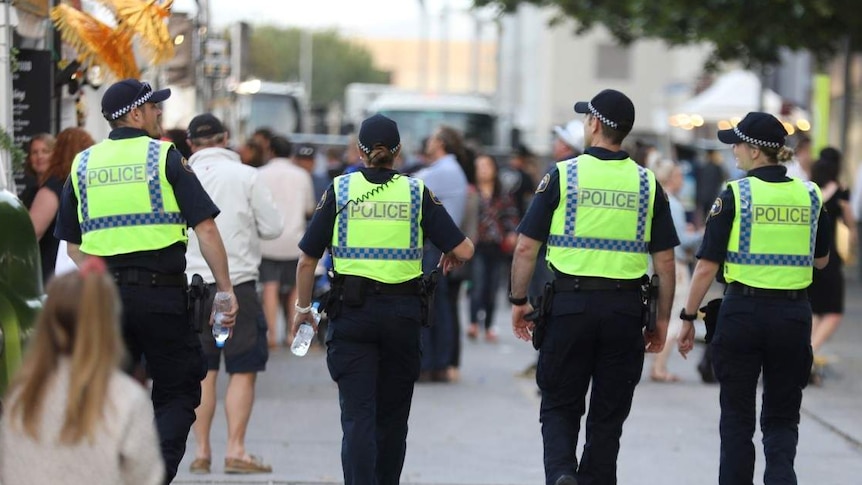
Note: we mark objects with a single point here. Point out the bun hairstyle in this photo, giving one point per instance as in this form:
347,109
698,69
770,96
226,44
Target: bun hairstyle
785,154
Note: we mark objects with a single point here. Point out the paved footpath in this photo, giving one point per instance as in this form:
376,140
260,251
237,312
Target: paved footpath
484,429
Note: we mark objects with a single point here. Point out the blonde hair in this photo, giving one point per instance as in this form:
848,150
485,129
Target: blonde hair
780,155
80,321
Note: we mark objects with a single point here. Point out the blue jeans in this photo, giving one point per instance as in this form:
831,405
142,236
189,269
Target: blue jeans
487,261
438,340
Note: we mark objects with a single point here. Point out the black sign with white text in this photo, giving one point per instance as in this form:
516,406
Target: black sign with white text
31,95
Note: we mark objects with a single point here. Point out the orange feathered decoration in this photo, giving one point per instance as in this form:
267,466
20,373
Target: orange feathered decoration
95,42
146,18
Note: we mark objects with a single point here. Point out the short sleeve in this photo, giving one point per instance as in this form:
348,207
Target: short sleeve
719,222
318,235
438,225
536,223
663,234
67,227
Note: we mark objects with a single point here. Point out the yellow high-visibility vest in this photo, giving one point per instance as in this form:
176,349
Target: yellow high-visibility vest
378,228
602,224
125,202
773,235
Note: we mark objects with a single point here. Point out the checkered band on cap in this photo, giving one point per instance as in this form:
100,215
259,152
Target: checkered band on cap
755,141
366,150
601,117
125,109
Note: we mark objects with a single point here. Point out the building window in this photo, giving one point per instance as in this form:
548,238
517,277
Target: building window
613,62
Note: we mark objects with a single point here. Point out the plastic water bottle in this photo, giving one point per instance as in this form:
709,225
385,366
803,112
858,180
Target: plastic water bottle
221,304
306,332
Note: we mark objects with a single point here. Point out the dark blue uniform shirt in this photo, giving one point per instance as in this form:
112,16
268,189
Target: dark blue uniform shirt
195,206
436,222
720,219
536,223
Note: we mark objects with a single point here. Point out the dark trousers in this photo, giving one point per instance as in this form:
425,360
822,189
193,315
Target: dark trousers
156,326
373,355
591,336
487,263
438,340
772,336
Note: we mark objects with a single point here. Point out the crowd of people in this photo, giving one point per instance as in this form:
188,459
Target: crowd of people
262,222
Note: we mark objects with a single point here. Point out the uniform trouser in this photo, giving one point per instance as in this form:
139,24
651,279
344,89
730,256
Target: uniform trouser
772,335
591,336
156,326
373,355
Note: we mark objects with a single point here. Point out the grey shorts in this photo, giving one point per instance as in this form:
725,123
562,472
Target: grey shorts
281,271
246,350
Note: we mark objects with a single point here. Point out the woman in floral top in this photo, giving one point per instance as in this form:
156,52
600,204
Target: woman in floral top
498,218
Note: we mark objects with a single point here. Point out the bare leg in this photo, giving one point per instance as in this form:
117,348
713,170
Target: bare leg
289,300
825,327
270,311
204,415
237,406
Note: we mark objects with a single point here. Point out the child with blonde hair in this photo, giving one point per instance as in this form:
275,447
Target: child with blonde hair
71,415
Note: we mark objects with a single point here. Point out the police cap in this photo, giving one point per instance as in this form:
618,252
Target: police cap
612,108
760,129
128,94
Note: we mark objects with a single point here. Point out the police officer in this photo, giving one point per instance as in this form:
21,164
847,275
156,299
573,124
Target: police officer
601,215
374,221
767,231
130,199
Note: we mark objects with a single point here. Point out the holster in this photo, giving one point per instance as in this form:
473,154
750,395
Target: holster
710,318
332,303
540,313
649,295
427,289
198,294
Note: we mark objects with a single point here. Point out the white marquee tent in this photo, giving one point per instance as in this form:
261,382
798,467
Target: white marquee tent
733,95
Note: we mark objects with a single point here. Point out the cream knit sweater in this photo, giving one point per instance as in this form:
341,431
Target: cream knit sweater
125,451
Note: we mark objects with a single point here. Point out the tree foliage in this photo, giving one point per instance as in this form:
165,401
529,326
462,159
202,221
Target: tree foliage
749,31
275,56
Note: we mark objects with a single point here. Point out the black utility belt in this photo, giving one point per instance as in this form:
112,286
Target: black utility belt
739,289
140,277
594,283
373,287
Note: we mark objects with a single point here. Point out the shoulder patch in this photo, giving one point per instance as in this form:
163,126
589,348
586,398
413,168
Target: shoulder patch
186,165
543,184
322,201
434,197
716,207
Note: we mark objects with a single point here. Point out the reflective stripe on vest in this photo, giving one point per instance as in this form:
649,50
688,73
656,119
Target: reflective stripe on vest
602,225
746,218
158,215
414,252
569,240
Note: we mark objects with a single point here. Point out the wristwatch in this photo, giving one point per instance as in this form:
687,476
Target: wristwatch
518,301
687,317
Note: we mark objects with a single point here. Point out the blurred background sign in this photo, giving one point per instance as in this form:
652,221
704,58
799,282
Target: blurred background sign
31,94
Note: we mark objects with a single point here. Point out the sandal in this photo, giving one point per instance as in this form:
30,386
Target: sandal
252,464
200,466
664,377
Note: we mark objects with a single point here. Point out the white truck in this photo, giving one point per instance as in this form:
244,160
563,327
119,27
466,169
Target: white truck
419,114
